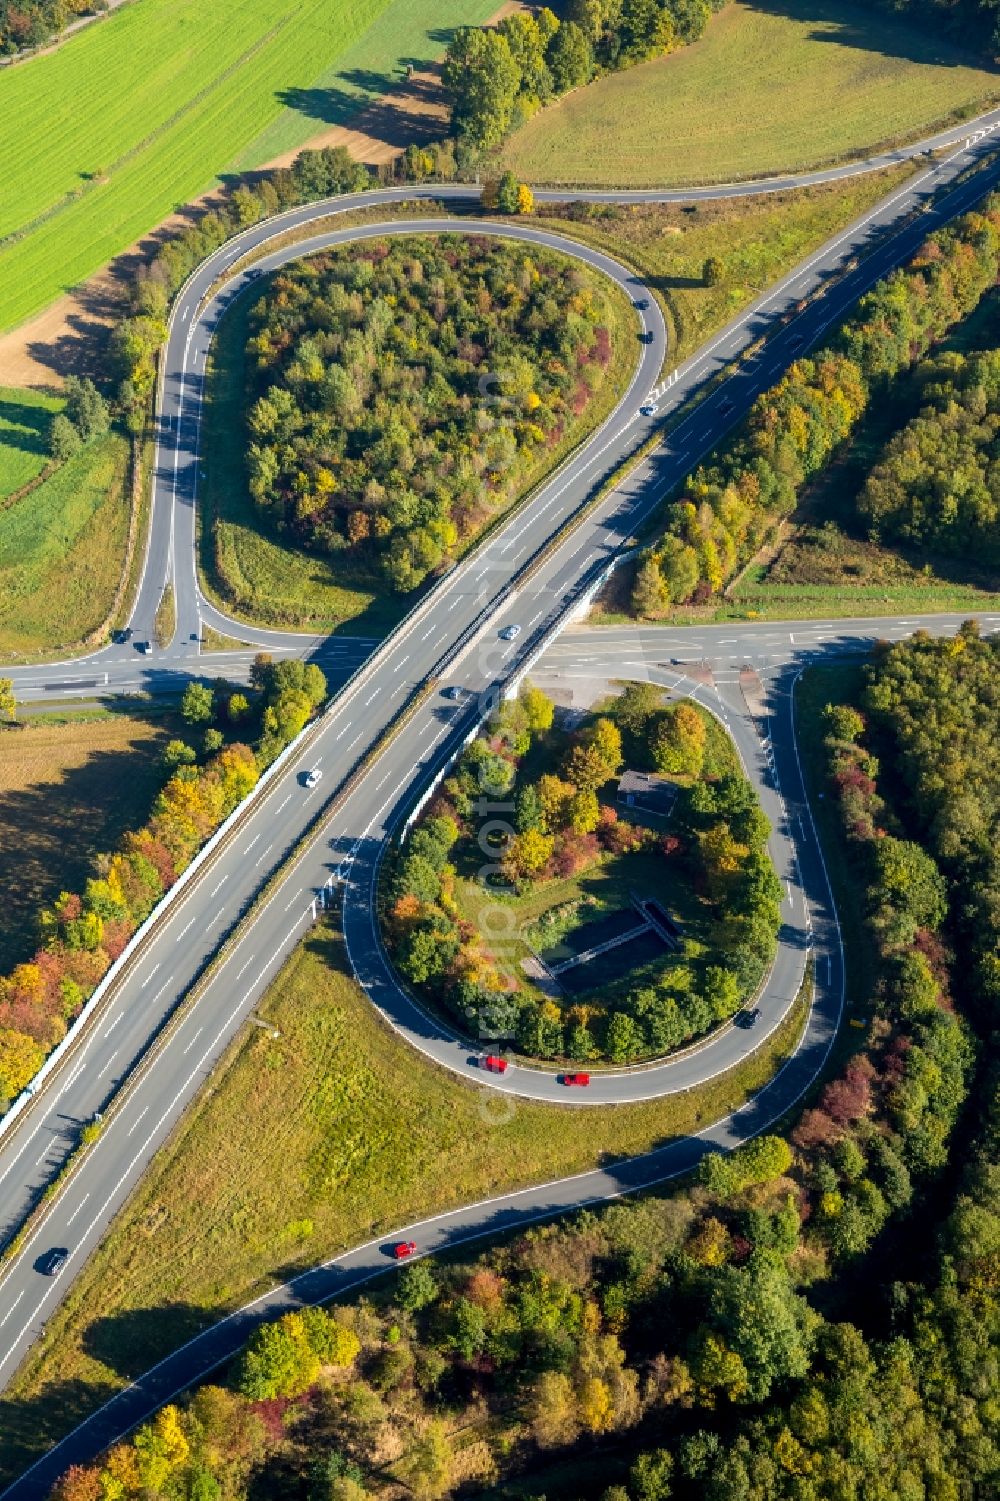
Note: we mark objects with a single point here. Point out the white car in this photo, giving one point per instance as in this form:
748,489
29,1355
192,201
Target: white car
648,409
509,632
313,777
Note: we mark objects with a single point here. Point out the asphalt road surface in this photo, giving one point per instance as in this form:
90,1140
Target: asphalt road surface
453,636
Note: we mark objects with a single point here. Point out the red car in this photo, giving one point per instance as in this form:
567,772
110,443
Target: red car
495,1064
580,1079
404,1249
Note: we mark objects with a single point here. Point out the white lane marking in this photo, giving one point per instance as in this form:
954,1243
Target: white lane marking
251,844
194,1040
266,852
282,804
245,967
45,1153
135,1124
152,972
114,1024
185,929
107,1065
371,698
221,913
76,1211
11,1308
402,662
216,889
295,897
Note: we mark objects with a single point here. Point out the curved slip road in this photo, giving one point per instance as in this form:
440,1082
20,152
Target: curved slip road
474,598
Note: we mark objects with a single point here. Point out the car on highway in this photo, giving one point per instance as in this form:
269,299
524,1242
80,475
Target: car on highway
403,1249
725,407
647,337
121,637
510,632
313,777
648,409
52,1262
454,692
579,1081
146,647
641,304
797,342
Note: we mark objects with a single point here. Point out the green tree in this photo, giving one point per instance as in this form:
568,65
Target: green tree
64,440
482,79
650,596
198,703
570,58
8,703
417,1287
278,1361
713,271
177,753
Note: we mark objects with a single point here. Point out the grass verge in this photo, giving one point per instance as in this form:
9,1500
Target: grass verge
757,240
768,89
68,790
62,549
305,1145
24,436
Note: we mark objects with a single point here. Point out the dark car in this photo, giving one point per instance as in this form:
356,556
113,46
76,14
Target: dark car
123,636
52,1263
725,407
146,647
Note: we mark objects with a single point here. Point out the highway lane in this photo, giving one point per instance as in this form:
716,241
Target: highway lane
464,595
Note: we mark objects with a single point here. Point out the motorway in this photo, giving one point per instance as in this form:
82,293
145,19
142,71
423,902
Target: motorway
518,575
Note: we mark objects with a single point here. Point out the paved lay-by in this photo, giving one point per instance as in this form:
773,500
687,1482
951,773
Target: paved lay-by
453,637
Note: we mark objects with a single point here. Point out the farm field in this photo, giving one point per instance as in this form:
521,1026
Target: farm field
62,547
24,427
306,1145
103,138
770,87
68,790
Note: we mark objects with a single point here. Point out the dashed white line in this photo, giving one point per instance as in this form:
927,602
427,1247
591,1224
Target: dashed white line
76,1211
215,889
114,1024
135,1124
250,846
11,1308
194,1040
152,972
107,1065
184,930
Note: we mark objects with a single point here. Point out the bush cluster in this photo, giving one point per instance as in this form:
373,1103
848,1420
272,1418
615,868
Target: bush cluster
405,387
560,829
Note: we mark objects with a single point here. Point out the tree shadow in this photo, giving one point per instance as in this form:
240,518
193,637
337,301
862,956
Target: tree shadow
50,833
842,24
26,426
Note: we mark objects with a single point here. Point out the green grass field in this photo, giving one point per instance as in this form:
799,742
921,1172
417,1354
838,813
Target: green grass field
769,88
24,426
103,138
68,790
305,1145
62,548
